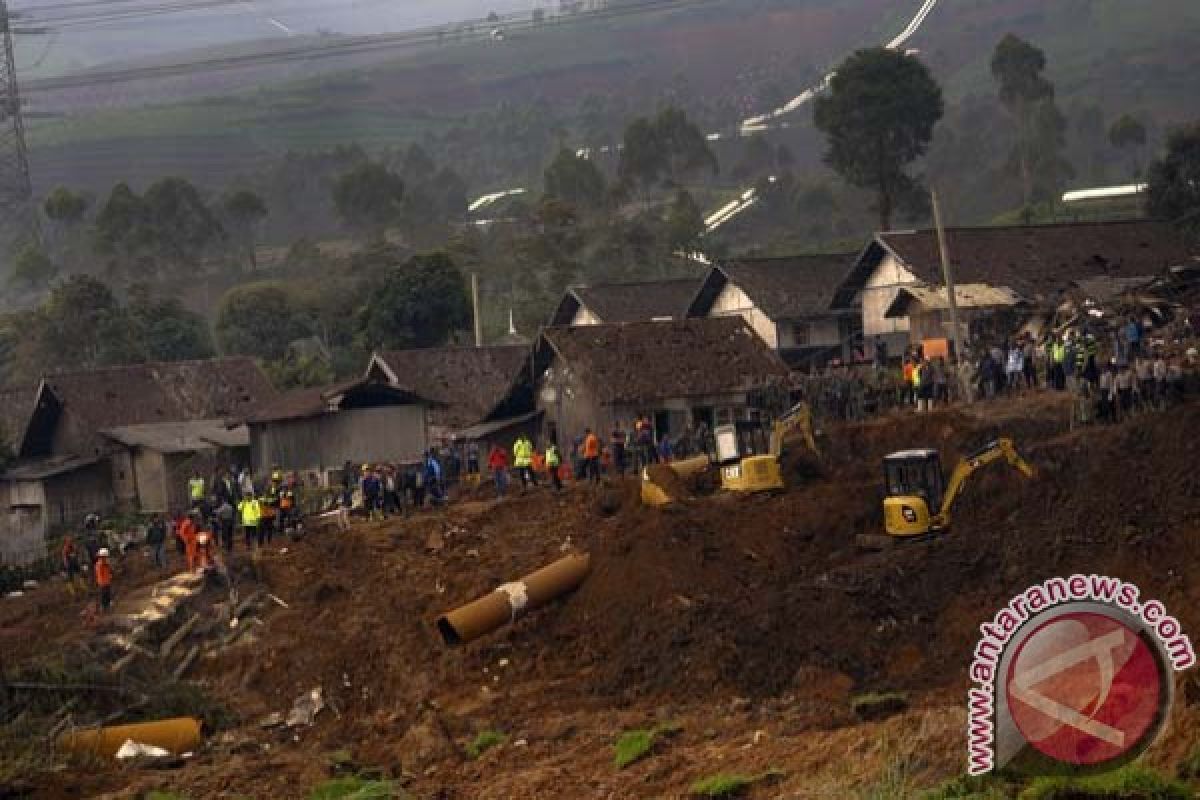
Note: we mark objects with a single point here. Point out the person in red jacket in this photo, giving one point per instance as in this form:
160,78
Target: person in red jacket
103,572
498,463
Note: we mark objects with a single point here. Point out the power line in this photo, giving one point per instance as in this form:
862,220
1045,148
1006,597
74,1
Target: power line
345,46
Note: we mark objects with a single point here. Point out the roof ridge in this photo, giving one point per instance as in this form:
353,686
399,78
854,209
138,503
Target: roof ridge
147,365
760,259
1031,226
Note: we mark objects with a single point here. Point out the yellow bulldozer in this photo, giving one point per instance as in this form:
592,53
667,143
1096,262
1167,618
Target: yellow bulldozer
920,500
747,455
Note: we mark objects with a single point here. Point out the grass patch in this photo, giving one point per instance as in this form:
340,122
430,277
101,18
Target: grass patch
354,788
1189,768
1128,783
484,741
730,784
970,787
875,705
633,746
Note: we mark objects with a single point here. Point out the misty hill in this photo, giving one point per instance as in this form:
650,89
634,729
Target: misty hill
721,61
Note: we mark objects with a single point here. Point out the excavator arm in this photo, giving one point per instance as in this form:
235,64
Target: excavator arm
799,416
994,451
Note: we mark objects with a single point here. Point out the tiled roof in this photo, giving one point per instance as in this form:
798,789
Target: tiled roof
643,361
466,381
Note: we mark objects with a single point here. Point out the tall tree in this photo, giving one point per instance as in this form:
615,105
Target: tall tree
878,117
1017,67
258,319
182,225
685,223
245,210
369,197
575,180
1174,182
1128,133
164,330
123,229
32,268
64,206
665,150
420,303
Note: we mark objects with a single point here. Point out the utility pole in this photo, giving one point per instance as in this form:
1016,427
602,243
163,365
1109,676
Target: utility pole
18,220
948,277
474,306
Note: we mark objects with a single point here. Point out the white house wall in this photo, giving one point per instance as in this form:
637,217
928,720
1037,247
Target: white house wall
879,292
822,332
732,302
584,316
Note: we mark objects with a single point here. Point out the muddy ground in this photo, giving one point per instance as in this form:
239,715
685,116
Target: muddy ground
747,621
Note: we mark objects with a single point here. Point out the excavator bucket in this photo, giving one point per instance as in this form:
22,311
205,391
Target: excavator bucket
664,484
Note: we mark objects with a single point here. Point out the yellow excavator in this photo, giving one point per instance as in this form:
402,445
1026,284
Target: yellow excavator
919,500
747,456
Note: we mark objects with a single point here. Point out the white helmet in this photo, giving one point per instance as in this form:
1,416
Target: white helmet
102,552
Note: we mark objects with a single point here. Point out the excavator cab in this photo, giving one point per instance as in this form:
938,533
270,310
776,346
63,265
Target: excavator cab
919,497
745,457
915,485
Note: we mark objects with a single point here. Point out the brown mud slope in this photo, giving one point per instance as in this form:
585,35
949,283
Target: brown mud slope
722,597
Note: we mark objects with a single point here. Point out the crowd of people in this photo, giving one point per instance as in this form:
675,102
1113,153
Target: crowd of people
1112,372
201,531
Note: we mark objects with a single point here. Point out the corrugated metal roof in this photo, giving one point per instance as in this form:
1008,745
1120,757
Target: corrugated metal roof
39,469
488,428
967,295
181,437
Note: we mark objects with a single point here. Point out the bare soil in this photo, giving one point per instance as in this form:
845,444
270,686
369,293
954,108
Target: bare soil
750,621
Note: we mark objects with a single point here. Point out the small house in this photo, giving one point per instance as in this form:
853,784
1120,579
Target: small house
788,302
462,384
1038,263
316,431
69,463
609,303
679,373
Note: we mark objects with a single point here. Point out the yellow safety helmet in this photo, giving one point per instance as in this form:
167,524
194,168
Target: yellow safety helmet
276,475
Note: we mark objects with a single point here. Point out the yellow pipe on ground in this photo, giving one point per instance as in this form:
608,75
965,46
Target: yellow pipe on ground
511,600
178,735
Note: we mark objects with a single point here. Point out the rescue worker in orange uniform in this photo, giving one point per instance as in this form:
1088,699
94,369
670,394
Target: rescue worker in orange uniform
187,534
591,456
104,577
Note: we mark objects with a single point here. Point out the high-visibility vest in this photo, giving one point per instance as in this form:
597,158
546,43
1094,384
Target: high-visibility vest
1059,352
552,457
522,453
250,512
196,488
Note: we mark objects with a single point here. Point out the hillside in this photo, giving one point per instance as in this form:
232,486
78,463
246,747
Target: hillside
720,60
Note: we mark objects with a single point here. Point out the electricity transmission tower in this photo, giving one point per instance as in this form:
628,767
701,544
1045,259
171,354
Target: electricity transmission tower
18,220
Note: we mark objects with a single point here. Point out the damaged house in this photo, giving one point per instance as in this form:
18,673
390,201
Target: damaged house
679,373
89,438
1031,264
462,384
609,303
789,302
316,431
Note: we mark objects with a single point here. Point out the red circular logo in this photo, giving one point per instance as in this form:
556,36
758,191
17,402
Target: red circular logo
1084,689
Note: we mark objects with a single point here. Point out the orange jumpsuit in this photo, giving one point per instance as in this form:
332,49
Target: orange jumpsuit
187,532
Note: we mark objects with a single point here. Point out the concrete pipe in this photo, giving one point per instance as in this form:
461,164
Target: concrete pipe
178,735
510,601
